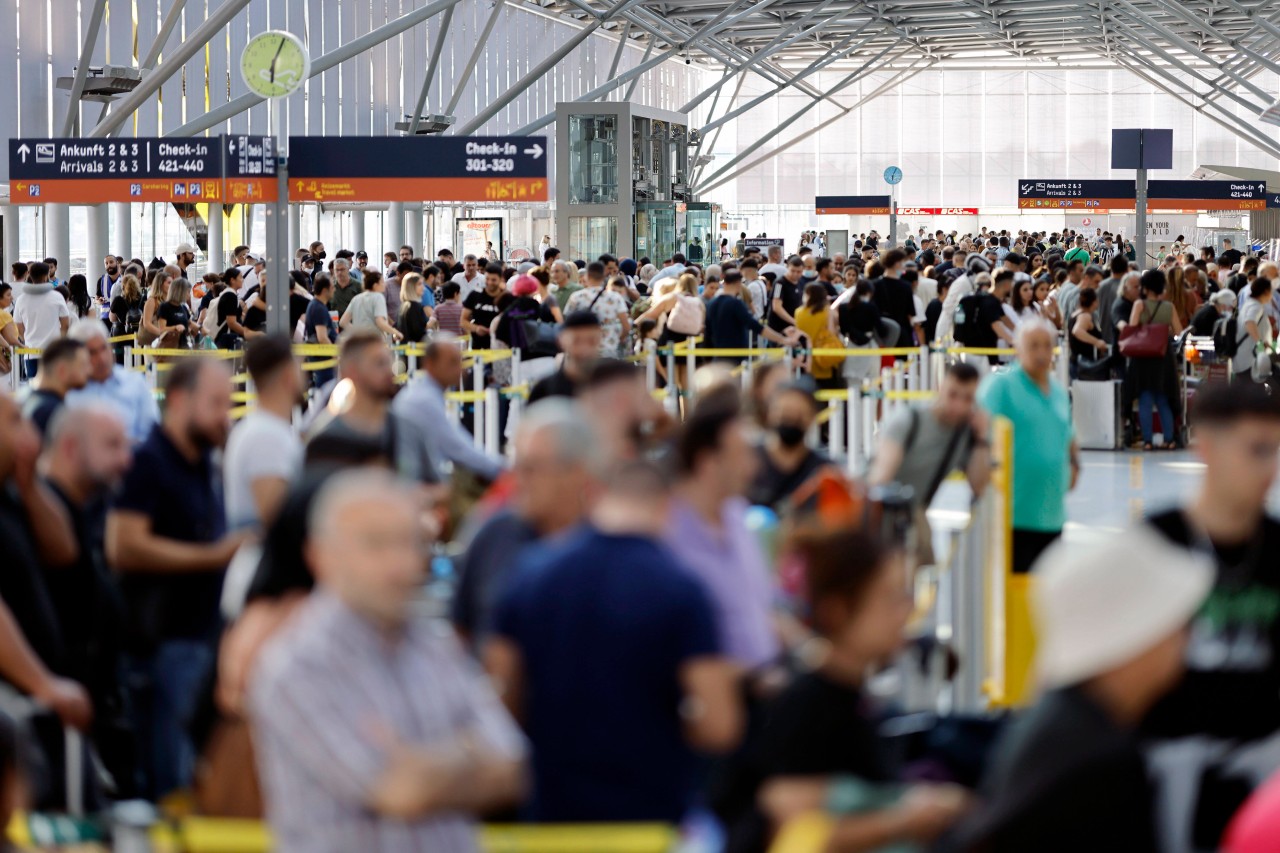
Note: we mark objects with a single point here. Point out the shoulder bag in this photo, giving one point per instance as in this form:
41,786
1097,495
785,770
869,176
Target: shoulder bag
1147,340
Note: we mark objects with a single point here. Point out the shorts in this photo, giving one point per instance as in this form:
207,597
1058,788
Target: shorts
1029,545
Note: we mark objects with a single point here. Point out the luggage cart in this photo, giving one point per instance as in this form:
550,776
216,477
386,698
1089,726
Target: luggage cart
1198,364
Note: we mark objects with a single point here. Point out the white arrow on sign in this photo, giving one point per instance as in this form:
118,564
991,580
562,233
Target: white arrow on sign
23,151
231,143
536,151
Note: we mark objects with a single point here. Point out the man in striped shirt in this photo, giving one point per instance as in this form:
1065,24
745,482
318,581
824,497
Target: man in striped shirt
373,730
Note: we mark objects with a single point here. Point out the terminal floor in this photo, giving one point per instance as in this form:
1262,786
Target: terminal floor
1118,488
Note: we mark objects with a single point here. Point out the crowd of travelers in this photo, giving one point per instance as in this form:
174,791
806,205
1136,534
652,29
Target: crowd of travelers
648,616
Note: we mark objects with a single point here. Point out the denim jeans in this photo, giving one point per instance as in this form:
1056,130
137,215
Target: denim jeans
1146,401
164,694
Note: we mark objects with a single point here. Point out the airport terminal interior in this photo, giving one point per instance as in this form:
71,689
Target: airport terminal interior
633,426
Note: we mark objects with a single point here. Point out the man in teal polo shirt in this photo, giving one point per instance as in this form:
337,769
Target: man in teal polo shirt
1046,461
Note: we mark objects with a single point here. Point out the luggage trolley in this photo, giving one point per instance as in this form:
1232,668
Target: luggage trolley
1198,364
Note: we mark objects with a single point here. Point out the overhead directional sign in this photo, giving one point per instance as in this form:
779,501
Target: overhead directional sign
1207,195
1059,194
852,204
249,169
91,171
1273,201
423,168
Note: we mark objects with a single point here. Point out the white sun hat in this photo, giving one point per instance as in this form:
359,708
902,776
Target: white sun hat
1103,604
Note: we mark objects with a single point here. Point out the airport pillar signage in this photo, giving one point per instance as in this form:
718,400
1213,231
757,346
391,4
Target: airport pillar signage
424,168
249,169
1062,194
853,205
93,171
1207,195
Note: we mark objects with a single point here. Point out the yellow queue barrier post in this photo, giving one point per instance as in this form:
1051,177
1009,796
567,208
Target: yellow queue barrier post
1011,643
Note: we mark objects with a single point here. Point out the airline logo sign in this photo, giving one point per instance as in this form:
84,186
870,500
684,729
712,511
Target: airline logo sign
852,205
937,211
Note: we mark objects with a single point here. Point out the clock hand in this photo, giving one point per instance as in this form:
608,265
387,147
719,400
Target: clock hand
274,58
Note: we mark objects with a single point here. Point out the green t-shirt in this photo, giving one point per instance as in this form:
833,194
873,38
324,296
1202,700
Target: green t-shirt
1042,436
1078,252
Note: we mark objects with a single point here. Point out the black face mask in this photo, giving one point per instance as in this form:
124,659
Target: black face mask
322,255
790,435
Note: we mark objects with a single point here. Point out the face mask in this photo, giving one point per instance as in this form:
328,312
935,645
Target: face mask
790,435
322,255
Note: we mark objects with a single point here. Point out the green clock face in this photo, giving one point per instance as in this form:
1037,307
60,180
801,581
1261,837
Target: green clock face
275,64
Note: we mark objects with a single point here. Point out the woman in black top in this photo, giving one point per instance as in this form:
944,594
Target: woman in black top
175,313
412,321
80,302
819,748
126,309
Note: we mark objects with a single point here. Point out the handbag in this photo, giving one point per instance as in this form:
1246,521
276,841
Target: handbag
1149,340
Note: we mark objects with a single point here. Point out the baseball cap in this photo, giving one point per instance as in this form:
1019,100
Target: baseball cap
185,249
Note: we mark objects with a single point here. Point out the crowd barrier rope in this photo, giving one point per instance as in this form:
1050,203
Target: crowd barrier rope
228,835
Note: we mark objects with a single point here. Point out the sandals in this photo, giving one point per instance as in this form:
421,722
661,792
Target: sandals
1147,447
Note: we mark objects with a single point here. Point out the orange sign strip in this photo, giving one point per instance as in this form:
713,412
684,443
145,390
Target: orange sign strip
418,189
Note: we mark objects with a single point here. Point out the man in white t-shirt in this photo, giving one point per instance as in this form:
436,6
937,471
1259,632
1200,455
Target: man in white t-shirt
264,453
775,264
754,286
470,279
40,312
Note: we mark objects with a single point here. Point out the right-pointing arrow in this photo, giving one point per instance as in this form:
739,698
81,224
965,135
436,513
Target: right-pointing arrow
536,151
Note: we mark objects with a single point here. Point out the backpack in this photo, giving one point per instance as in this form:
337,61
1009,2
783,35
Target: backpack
529,334
968,327
1226,337
133,318
211,327
688,315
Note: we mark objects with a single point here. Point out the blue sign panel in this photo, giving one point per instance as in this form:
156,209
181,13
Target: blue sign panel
422,168
1060,193
91,171
852,204
1207,195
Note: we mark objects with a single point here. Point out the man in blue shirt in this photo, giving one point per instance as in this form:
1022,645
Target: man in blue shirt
124,390
1046,460
606,651
730,322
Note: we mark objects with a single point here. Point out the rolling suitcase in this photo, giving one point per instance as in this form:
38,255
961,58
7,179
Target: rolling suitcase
1095,414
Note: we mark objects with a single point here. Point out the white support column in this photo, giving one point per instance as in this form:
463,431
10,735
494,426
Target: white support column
10,237
357,238
295,230
99,242
395,227
217,239
57,237
122,230
413,227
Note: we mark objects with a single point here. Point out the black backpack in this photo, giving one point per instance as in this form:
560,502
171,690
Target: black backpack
1226,337
529,334
968,328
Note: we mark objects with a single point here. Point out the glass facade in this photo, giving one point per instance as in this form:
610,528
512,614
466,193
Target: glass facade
593,159
592,236
964,137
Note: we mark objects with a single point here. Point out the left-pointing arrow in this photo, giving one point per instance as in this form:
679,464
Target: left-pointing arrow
23,151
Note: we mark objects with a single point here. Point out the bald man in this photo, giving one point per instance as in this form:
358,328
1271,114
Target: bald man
354,753
1046,460
86,455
